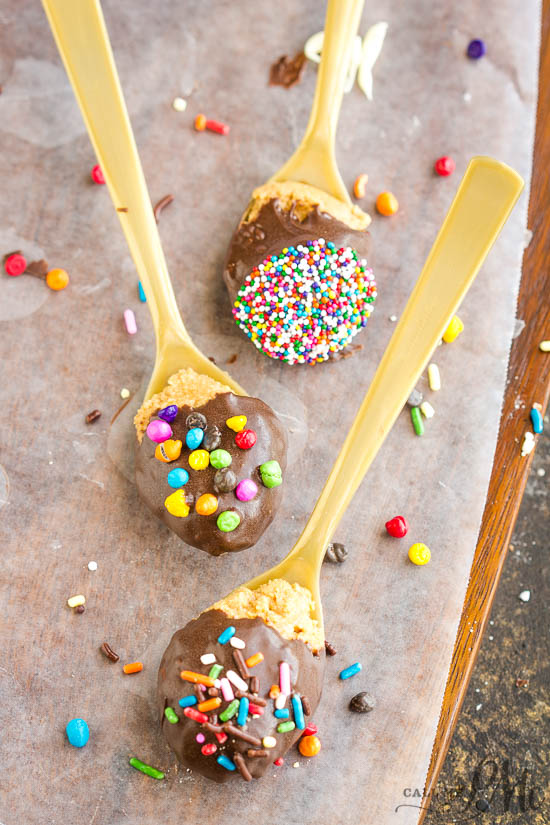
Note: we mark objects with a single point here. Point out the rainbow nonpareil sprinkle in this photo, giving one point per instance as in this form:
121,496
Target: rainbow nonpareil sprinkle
306,303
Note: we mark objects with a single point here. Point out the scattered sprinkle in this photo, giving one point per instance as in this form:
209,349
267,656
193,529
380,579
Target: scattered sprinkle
393,318
397,527
416,418
536,419
133,667
544,346
234,641
525,595
306,303
93,416
309,746
57,279
336,553
444,166
141,293
79,608
125,393
427,410
415,398
130,321
330,649
92,565
528,443
360,185
78,732
453,330
362,703
162,204
226,635
201,123
108,651
15,264
97,174
434,377
74,601
476,49
170,714
147,769
419,554
387,204
350,671
179,104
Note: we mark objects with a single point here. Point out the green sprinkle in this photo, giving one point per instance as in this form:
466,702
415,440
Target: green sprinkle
285,727
220,459
271,473
416,417
228,521
141,766
171,715
230,711
215,671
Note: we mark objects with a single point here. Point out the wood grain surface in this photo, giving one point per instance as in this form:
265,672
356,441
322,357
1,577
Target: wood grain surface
528,382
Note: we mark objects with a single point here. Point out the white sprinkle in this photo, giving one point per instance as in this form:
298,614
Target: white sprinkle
491,638
467,97
179,104
92,565
130,321
525,595
296,765
239,683
427,410
478,707
234,641
434,377
528,443
75,601
544,346
393,318
208,658
124,393
217,683
541,472
280,701
269,741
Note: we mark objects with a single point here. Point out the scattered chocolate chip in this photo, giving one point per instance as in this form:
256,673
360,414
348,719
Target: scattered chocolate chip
335,553
362,703
287,71
482,805
212,438
225,480
93,416
122,209
79,608
306,706
38,268
108,651
255,687
194,420
232,358
163,202
330,649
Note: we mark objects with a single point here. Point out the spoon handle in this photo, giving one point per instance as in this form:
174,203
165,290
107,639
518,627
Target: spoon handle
81,37
480,208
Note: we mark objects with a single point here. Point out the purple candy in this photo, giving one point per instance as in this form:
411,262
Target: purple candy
168,413
476,49
246,490
159,431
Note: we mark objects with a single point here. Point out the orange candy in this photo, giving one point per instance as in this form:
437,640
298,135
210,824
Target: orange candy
169,450
309,745
255,659
209,704
133,667
196,678
206,504
387,204
200,123
57,279
274,691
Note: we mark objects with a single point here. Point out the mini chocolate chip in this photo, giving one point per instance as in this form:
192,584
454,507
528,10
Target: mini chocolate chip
79,609
362,703
335,553
225,480
195,419
330,649
232,358
212,438
93,416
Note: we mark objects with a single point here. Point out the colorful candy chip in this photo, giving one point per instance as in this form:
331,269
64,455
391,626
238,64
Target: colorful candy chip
177,505
195,419
199,459
159,431
271,473
220,459
309,745
168,413
206,504
177,478
246,489
228,521
245,439
169,450
236,423
194,438
225,480
77,732
419,554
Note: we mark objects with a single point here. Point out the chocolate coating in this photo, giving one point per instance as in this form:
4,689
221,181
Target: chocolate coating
183,653
257,514
273,229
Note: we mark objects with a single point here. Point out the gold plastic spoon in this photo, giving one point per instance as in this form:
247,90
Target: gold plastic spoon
79,30
314,161
479,210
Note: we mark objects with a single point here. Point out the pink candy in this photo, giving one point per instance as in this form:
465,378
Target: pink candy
130,322
246,490
227,690
200,737
159,431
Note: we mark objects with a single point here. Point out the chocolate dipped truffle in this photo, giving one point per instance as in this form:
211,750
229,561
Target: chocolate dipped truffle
210,463
297,275
237,684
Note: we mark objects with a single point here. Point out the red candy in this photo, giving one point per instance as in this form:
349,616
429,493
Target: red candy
97,174
209,749
195,715
216,126
255,709
221,737
16,264
279,761
245,439
444,166
311,730
397,527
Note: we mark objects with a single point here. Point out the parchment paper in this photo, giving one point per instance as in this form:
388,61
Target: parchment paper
65,502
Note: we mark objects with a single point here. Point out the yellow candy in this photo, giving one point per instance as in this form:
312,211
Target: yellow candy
236,423
419,554
453,330
169,450
199,460
176,504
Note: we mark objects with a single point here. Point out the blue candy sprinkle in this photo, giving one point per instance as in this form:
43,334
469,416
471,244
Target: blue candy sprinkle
299,711
177,478
77,732
351,670
226,635
225,762
536,420
142,297
187,701
194,438
243,711
282,713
